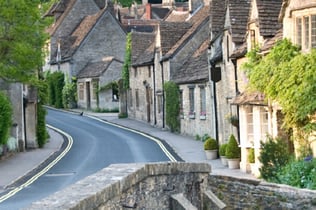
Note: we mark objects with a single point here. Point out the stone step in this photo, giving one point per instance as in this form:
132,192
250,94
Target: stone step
180,202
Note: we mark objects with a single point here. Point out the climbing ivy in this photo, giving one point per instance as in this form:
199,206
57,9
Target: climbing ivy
127,62
287,75
5,118
172,105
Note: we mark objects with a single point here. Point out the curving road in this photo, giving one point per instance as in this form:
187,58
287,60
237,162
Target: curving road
95,145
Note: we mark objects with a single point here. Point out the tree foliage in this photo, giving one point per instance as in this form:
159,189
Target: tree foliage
287,76
55,82
127,62
172,105
21,40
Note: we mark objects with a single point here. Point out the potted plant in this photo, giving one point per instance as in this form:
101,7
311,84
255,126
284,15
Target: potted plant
234,120
222,153
233,153
210,148
251,159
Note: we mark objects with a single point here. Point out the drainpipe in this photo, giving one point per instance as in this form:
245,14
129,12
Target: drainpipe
234,61
163,94
154,89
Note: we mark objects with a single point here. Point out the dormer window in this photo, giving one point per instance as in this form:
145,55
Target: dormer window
253,39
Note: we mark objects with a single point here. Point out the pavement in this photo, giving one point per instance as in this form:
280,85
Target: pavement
190,150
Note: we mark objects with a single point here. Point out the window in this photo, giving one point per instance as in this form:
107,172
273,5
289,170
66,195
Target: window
191,101
264,122
130,97
313,35
137,98
253,38
115,92
81,91
306,31
250,136
149,72
202,101
159,101
135,72
227,48
95,87
181,104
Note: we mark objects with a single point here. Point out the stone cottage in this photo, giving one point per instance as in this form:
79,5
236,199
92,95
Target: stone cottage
299,25
257,118
84,40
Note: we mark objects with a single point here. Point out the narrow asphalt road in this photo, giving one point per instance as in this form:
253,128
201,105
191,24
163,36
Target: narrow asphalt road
95,145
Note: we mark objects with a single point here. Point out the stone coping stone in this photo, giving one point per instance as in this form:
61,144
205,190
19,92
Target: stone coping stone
110,182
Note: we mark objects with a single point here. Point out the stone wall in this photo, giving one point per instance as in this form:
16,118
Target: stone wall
255,194
173,186
136,186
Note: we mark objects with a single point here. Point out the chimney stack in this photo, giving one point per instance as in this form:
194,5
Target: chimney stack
148,11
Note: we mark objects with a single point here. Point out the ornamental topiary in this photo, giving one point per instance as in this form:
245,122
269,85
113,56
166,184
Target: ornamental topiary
210,144
232,149
222,149
251,155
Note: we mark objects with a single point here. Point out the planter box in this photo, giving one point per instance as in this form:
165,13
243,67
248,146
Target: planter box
233,163
224,160
211,154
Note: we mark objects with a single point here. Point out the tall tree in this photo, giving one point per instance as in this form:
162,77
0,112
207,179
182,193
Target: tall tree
22,39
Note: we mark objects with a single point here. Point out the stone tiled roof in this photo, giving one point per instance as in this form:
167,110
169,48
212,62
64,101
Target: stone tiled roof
170,33
139,25
159,12
196,68
249,98
240,51
142,52
239,12
196,20
272,41
63,6
268,11
96,69
217,15
177,16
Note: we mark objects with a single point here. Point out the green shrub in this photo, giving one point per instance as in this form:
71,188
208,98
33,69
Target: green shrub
210,144
69,93
300,174
273,156
55,83
232,149
172,105
41,132
204,137
251,155
222,149
197,137
5,118
122,115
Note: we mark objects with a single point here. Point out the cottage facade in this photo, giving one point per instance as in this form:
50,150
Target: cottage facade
299,23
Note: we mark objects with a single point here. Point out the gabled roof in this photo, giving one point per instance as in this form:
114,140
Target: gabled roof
142,48
268,12
239,12
139,25
196,68
202,16
177,16
64,6
250,98
217,15
70,44
272,41
96,69
170,33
